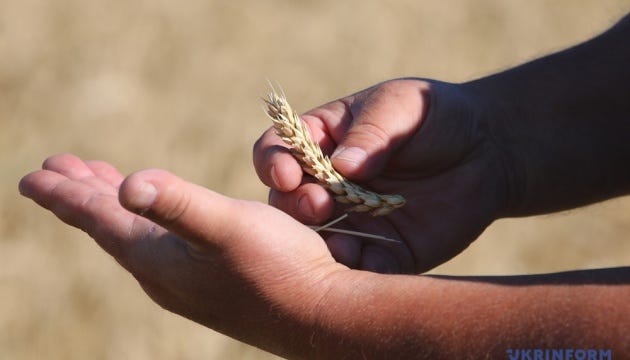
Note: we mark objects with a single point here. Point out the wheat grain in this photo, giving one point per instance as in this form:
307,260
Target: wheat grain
294,132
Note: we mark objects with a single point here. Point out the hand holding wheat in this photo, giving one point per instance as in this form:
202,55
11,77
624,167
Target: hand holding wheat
294,132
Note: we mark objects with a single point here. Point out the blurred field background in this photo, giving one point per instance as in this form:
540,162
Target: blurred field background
176,85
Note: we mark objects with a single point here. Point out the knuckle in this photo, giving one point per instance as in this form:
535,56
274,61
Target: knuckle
178,208
372,133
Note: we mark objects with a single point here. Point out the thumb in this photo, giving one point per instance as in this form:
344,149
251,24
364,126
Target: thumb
208,221
191,211
384,117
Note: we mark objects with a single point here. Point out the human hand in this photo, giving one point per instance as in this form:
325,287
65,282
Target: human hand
235,266
421,139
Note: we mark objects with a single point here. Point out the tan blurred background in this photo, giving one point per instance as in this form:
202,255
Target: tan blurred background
176,85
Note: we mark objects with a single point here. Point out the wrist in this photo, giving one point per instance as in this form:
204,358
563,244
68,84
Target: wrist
352,317
462,115
376,316
298,310
561,121
499,120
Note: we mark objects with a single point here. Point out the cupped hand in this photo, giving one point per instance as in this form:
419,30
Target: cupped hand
235,266
425,140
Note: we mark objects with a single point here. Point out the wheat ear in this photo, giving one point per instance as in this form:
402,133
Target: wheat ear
294,132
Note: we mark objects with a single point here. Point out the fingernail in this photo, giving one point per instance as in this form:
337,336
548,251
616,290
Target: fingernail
353,155
305,207
144,197
23,188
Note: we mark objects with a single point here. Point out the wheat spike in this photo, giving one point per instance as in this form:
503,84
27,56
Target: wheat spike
294,132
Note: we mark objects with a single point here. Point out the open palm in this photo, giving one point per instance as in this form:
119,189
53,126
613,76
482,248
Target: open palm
195,252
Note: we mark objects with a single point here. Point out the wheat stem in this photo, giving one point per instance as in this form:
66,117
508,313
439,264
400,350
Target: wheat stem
331,223
362,234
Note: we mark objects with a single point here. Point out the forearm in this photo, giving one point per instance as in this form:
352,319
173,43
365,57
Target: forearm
563,123
455,318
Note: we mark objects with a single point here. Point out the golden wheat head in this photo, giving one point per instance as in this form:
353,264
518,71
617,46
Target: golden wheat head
294,132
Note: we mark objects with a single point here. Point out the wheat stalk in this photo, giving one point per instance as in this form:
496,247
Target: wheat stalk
294,132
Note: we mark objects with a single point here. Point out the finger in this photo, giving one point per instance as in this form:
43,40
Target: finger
38,184
68,165
211,222
309,203
328,123
105,171
274,164
273,161
191,211
81,205
384,117
74,168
